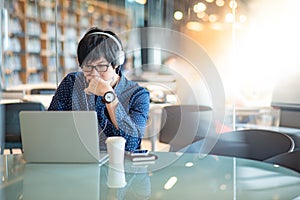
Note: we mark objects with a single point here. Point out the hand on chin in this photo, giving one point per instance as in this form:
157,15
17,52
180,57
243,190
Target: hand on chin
97,86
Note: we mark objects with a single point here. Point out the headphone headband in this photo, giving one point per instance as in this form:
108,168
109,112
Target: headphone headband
110,36
120,54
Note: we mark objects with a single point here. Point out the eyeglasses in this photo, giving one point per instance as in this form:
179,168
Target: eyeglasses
99,68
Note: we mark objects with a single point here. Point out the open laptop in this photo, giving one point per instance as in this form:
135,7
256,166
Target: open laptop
61,137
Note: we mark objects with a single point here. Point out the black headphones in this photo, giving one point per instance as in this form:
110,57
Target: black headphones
120,59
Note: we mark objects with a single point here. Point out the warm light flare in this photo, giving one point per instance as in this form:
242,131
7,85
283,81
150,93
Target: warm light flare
266,51
195,26
143,2
243,18
229,17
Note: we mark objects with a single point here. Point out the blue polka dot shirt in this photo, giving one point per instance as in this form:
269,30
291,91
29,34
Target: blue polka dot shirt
131,112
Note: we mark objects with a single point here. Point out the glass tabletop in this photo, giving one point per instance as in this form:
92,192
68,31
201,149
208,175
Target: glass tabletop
171,176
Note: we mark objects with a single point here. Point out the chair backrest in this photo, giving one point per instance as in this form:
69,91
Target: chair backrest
253,144
12,122
289,159
182,125
2,133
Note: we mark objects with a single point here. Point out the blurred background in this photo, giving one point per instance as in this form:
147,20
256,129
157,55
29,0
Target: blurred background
251,43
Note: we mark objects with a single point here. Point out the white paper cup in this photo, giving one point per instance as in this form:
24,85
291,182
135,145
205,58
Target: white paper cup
115,149
116,176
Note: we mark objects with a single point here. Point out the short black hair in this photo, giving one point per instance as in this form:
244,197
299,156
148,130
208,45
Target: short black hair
93,46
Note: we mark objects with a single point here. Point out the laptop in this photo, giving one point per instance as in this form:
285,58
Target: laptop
61,137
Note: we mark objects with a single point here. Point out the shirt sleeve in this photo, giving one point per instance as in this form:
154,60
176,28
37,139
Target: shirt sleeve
132,124
61,99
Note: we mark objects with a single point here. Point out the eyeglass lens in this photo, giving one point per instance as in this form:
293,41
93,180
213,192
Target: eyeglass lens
99,68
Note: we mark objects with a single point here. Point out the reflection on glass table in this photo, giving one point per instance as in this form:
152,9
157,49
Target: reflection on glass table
171,176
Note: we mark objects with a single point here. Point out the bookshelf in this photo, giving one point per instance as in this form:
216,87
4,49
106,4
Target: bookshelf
37,42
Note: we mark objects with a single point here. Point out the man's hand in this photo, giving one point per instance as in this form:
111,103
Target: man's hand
98,87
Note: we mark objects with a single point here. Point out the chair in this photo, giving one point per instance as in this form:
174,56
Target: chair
255,144
290,160
182,125
12,131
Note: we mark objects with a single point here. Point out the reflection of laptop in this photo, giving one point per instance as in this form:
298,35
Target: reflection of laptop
61,137
61,181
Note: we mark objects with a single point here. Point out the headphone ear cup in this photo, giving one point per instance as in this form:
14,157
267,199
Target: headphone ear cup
120,58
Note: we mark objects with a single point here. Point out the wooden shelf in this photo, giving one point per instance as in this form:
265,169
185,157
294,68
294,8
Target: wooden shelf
32,35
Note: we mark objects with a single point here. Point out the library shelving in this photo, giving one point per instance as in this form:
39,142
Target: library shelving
43,36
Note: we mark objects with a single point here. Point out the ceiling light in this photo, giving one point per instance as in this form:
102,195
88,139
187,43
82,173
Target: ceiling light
201,15
199,7
220,3
233,4
212,18
91,9
178,15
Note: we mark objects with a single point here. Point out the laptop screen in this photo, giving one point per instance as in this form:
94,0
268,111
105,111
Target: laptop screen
60,136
